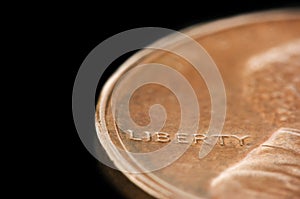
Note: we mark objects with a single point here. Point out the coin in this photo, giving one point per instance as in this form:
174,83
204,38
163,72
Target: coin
258,57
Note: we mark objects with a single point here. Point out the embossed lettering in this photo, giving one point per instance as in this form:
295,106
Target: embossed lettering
162,137
146,138
198,137
182,138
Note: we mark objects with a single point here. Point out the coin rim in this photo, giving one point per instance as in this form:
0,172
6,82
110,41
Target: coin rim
150,183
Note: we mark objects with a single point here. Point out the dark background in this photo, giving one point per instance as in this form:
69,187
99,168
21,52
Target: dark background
83,26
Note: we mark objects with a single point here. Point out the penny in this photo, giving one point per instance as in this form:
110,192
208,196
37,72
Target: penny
258,57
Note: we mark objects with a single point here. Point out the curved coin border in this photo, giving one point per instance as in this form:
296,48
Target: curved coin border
150,183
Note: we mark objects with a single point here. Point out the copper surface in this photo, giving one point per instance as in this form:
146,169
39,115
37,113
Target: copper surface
258,57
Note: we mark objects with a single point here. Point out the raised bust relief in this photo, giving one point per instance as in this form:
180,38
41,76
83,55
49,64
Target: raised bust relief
272,170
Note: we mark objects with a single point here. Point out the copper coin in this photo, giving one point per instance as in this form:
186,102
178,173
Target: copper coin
257,153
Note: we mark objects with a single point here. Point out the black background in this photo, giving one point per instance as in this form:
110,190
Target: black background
82,27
